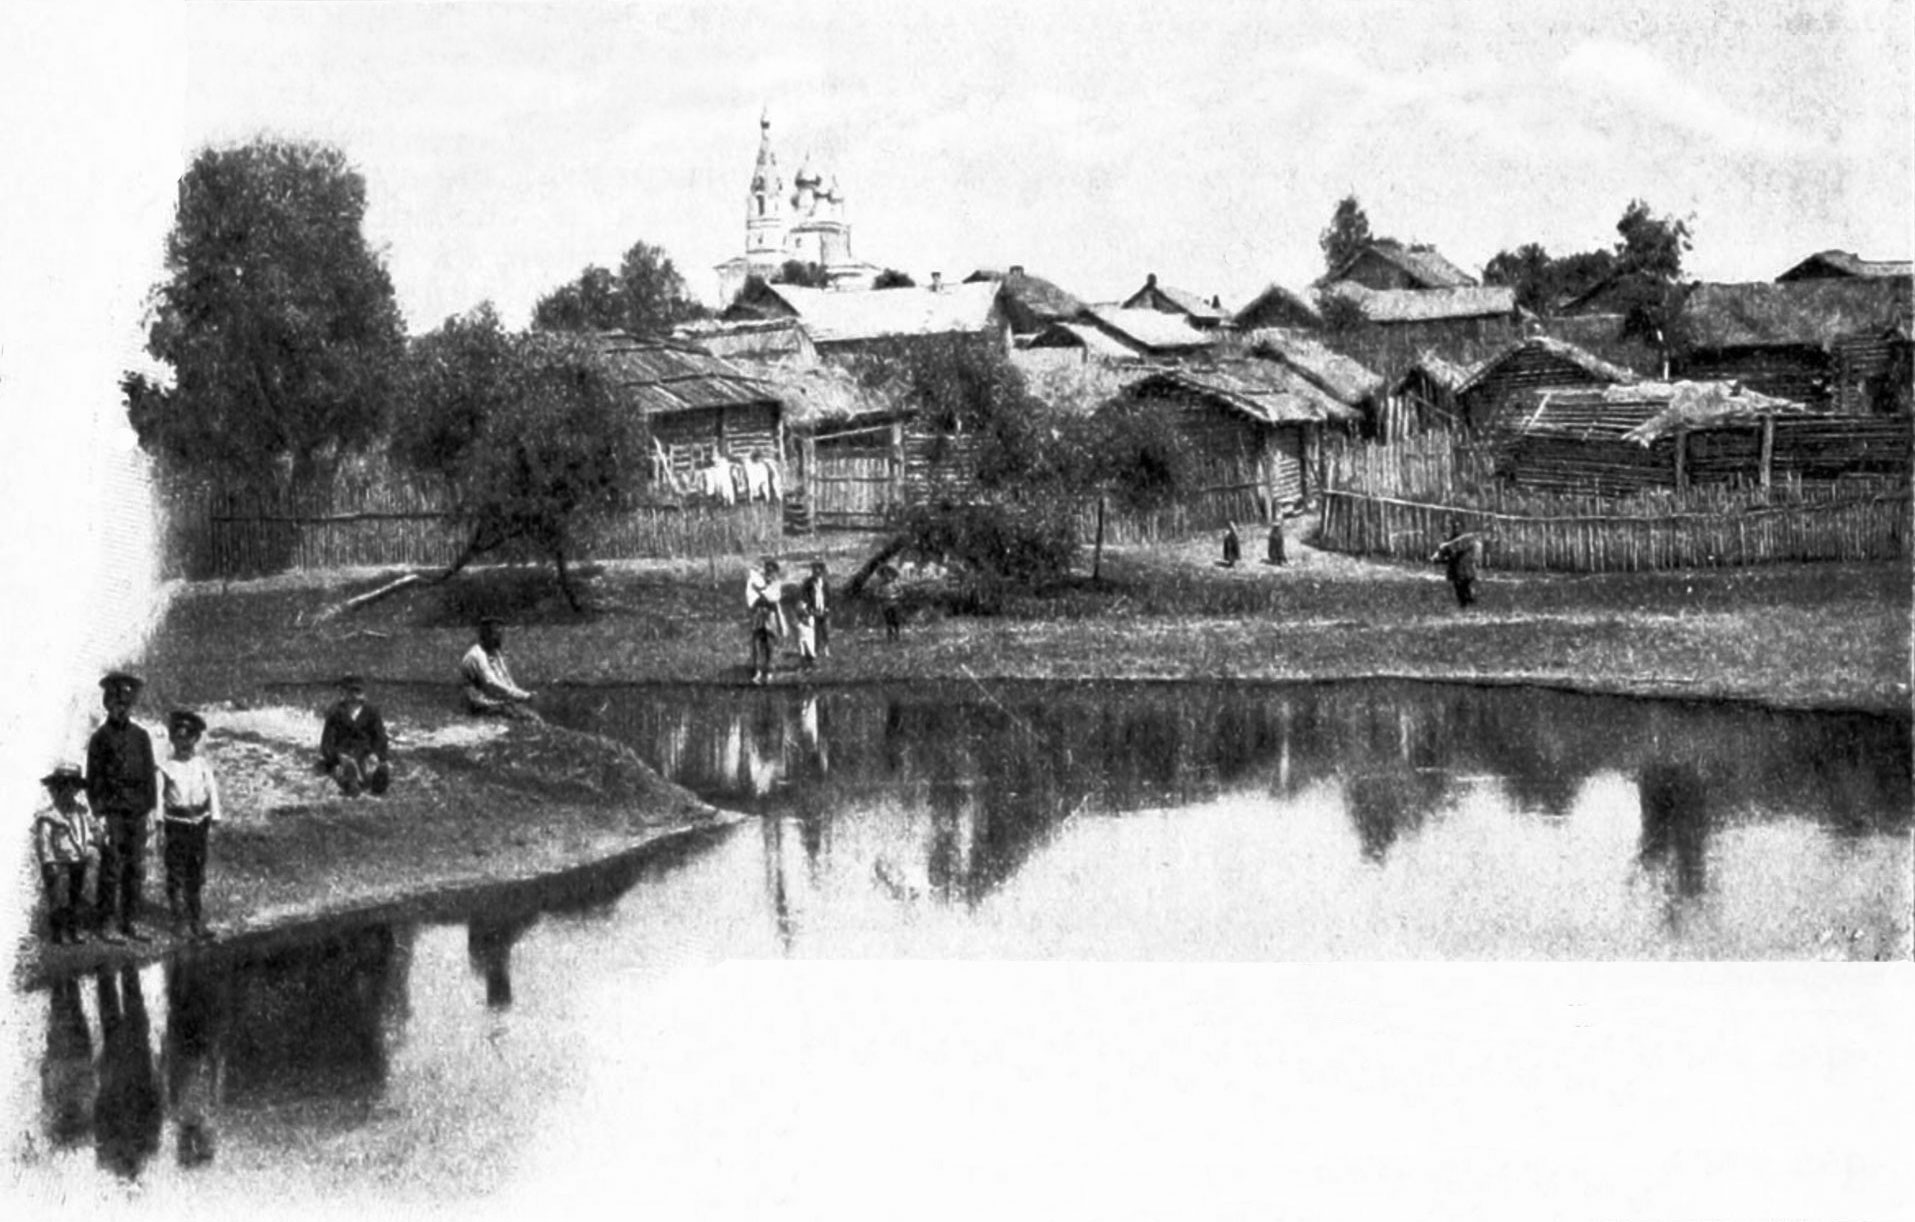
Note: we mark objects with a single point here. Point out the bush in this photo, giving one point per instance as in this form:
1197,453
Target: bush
993,547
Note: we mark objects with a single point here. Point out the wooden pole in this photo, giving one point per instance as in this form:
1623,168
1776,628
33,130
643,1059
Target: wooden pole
1768,451
1682,453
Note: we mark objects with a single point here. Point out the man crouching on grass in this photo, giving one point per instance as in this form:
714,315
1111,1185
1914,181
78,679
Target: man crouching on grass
489,688
352,748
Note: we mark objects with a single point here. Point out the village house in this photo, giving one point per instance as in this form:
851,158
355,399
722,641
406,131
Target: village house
1278,306
842,323
1256,426
1835,343
1386,265
697,407
1204,315
1514,375
1152,334
1030,303
1841,265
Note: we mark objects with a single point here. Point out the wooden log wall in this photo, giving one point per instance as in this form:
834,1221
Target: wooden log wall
1803,375
690,437
1599,539
1516,382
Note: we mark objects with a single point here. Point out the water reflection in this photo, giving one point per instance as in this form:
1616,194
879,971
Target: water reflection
489,938
126,1109
68,1081
194,1011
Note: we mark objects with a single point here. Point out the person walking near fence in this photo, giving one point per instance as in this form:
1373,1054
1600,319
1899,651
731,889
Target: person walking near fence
1460,553
489,688
122,787
762,594
189,796
352,747
64,841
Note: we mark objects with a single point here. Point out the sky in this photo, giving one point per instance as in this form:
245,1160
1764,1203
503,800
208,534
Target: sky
507,147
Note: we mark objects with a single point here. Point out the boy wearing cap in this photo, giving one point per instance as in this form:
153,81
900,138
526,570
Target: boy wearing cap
64,838
352,747
122,787
190,796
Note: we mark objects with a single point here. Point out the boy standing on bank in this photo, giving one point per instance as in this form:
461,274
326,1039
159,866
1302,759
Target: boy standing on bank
64,840
190,796
122,787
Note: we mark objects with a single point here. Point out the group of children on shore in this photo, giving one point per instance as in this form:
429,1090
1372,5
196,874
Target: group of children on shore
765,601
126,790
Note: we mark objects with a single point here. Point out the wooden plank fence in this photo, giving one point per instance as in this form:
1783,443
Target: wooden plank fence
1606,538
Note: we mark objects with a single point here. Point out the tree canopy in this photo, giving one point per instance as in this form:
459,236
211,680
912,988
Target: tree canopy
1651,245
277,320
1542,282
647,296
892,278
1649,254
528,431
1347,235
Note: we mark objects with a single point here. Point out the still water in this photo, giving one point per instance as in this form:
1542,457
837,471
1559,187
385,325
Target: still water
468,1052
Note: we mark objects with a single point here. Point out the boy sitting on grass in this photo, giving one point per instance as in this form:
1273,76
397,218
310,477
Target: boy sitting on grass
189,806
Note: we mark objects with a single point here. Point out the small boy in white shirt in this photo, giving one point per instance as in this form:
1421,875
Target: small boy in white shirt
189,806
65,840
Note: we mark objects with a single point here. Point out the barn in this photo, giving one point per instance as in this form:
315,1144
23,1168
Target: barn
1513,375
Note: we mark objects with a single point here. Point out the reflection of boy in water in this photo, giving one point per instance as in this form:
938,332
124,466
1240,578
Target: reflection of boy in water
192,1065
488,947
126,1112
67,1080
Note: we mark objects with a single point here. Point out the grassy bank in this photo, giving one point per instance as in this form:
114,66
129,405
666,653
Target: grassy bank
1833,636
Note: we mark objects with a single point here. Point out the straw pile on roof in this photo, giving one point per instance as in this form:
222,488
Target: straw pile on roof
1703,405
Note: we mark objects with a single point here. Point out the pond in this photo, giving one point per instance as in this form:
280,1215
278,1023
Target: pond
496,1050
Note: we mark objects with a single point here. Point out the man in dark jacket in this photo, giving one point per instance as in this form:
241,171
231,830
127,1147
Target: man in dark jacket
352,747
122,787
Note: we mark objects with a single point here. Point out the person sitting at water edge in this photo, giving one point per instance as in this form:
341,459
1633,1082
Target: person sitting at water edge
64,841
190,806
489,688
122,787
353,749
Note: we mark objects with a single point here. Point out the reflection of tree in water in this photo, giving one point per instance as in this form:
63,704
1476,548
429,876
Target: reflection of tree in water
194,1009
490,935
67,1079
126,1112
309,1022
1675,824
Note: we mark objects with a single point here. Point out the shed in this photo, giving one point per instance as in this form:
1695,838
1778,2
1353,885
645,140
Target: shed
697,405
1423,398
1816,341
1204,315
1525,366
1256,426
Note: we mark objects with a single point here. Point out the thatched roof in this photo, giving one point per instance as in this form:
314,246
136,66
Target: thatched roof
1039,297
1562,350
1446,375
1084,335
1426,305
1192,304
1347,379
1262,390
662,378
1082,387
1148,330
1798,313
1422,264
815,393
852,315
744,337
1278,294
1840,263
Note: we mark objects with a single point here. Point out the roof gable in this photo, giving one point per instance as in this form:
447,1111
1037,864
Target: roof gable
1841,263
1348,380
1423,264
1148,330
1586,362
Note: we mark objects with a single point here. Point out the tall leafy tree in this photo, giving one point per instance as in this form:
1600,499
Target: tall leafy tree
645,296
1348,234
276,318
1543,282
529,432
1651,245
